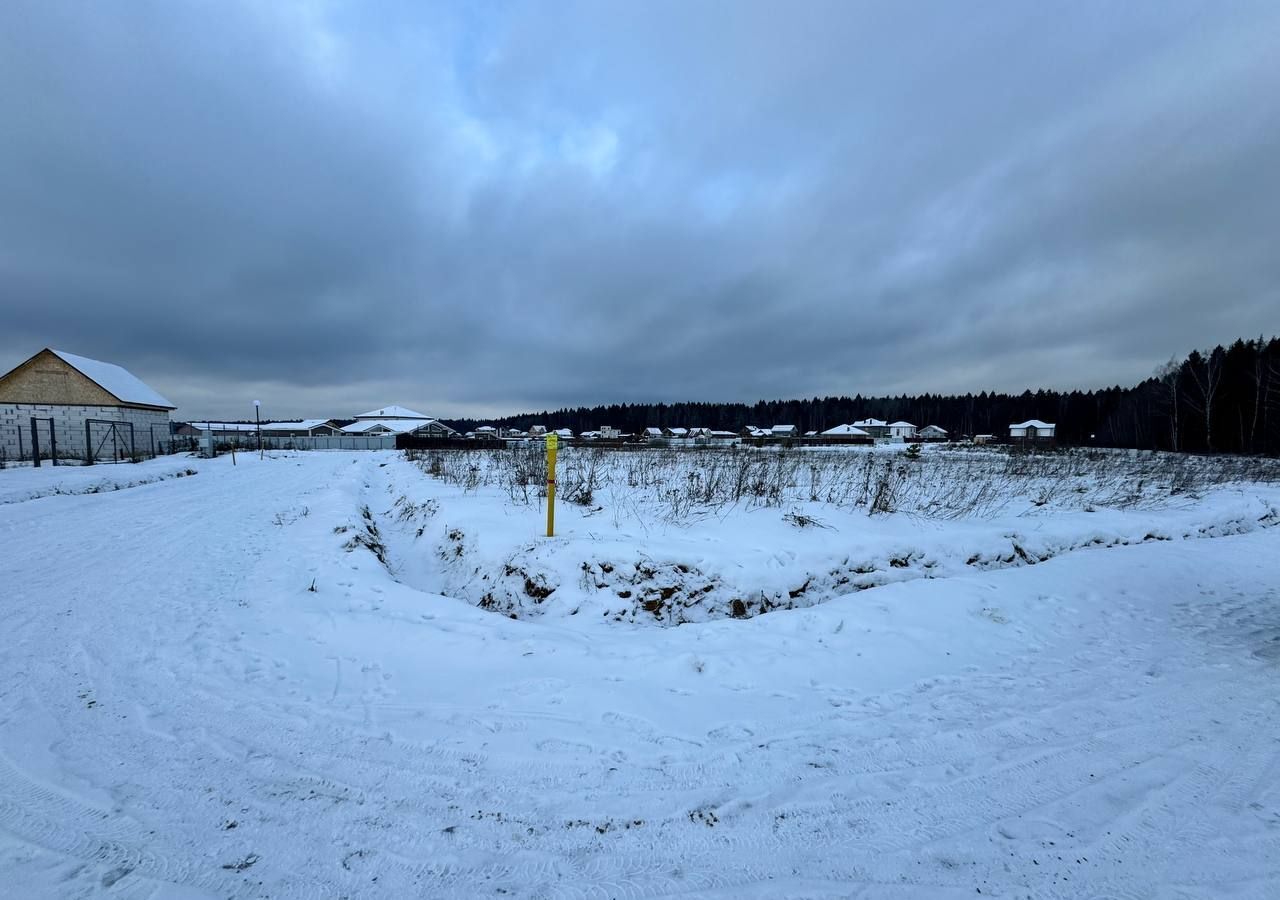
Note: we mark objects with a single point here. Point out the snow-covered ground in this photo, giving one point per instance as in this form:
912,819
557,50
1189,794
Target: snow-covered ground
250,682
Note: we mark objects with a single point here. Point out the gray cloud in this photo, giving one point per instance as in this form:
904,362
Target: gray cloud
493,208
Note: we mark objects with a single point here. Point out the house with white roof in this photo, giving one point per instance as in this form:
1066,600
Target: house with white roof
877,428
932,433
849,433
902,430
1032,430
398,420
295,428
784,431
92,410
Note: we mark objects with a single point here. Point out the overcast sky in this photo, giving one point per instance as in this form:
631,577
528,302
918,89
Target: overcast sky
502,207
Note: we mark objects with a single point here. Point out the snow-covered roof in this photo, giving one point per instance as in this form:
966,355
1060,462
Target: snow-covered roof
902,425
222,426
362,426
652,430
485,428
680,431
724,434
784,429
846,431
397,426
934,428
120,383
393,412
299,425
564,432
1033,423
873,423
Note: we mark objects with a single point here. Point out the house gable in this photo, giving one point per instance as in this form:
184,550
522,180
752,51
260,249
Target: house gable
47,379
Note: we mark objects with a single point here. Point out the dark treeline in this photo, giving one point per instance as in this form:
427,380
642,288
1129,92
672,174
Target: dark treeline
1226,400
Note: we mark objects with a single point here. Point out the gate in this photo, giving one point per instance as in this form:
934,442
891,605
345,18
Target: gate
109,441
49,448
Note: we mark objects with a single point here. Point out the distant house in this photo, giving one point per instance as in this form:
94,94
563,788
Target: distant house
393,412
420,428
537,431
398,420
751,431
564,433
609,434
677,432
877,428
1032,430
653,434
486,431
784,431
98,409
984,438
902,430
844,431
296,428
932,433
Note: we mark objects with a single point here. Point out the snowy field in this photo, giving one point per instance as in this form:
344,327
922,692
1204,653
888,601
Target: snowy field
353,675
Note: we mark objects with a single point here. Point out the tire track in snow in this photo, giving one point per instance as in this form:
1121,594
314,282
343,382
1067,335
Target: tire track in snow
42,817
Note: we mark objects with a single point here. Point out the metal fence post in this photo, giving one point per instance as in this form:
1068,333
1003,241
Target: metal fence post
53,443
35,444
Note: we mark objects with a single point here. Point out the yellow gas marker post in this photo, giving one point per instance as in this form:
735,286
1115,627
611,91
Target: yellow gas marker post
553,442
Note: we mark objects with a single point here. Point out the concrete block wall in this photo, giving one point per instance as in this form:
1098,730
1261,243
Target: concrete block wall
68,422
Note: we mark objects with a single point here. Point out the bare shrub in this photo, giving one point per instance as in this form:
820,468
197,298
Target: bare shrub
676,485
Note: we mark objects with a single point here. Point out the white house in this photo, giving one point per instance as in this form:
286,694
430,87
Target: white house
902,430
420,427
932,433
565,434
678,432
398,420
845,431
653,434
1032,430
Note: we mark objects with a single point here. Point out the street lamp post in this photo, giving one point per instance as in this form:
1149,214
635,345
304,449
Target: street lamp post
257,421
